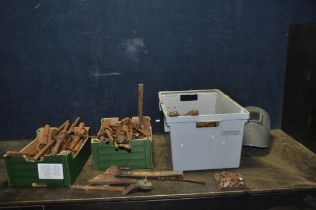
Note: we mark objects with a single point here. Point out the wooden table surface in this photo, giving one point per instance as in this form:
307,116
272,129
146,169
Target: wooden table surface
285,167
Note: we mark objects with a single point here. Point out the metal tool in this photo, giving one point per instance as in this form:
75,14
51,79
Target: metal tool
60,138
43,138
159,175
99,187
143,185
18,154
78,134
71,130
108,178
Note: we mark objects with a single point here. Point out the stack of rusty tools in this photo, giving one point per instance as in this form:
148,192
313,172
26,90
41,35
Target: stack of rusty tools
52,141
121,132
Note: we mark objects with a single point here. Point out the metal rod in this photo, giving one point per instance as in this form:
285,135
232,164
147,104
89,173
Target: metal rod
140,103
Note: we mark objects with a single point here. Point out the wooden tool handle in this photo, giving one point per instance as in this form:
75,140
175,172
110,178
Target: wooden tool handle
140,103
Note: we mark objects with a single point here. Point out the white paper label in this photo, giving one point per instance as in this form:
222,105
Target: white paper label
50,171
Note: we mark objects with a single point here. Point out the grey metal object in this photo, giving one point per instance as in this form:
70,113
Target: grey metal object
257,129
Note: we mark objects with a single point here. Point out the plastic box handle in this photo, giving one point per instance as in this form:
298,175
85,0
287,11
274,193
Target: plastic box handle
207,124
189,97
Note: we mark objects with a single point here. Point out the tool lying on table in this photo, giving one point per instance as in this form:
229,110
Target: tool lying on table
121,173
52,141
143,185
114,178
228,181
159,175
109,181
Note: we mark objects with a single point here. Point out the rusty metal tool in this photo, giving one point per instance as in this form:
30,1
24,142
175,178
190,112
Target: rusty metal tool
108,178
193,112
81,131
140,103
98,187
71,130
175,113
60,128
125,120
43,137
142,131
129,134
149,174
60,138
73,125
77,147
102,132
43,150
18,154
160,175
142,184
115,141
128,129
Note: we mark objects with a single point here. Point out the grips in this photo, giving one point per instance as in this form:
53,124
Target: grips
190,97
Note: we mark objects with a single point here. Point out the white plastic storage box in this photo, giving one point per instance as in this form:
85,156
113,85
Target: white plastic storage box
210,140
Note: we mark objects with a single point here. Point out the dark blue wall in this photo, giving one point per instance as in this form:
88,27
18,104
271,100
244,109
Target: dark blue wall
62,58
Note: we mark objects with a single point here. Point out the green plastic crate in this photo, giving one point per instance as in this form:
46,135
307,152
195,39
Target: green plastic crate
24,173
104,154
